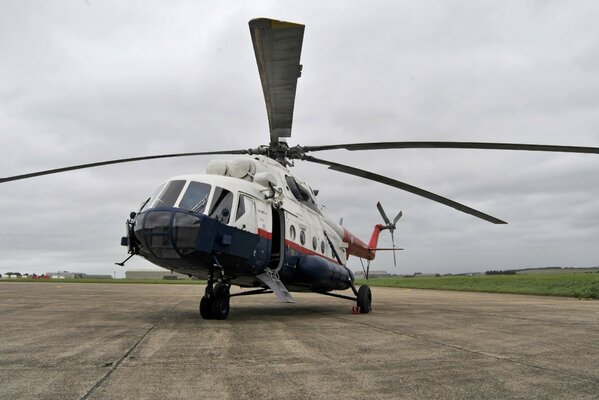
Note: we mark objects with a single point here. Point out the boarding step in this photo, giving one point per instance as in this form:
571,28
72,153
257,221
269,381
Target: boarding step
274,283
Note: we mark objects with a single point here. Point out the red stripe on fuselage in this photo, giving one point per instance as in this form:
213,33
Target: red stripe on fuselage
308,252
264,234
292,245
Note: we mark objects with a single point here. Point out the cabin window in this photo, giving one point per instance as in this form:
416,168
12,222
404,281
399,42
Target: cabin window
169,194
222,202
292,232
322,248
303,238
314,243
196,197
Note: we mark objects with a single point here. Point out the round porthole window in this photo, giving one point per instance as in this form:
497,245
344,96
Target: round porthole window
322,248
292,232
314,243
302,237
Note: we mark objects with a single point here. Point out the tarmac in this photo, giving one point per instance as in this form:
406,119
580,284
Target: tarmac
123,341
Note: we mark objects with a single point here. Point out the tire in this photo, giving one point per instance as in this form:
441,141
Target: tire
206,308
220,307
220,289
365,299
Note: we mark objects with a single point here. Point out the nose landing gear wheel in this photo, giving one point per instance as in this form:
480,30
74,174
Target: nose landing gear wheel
215,303
205,308
220,307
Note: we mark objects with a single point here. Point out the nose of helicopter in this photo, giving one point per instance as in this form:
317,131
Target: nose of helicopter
167,233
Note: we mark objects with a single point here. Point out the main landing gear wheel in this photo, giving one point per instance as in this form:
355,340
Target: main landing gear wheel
364,299
215,302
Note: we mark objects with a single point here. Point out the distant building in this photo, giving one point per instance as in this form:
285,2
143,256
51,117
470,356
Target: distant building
75,275
154,274
64,275
12,275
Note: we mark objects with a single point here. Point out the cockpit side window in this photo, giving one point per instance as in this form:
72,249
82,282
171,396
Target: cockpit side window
222,202
169,195
240,206
196,197
293,186
300,193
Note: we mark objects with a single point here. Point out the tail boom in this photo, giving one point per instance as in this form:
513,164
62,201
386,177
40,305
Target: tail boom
357,248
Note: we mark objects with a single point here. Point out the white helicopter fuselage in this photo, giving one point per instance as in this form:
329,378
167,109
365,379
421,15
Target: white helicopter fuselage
242,217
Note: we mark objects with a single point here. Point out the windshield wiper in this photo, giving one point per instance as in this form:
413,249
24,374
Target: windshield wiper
200,205
145,203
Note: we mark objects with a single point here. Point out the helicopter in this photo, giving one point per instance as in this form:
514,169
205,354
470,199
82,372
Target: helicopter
250,222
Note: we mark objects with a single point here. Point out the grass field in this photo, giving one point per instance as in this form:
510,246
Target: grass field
131,281
581,285
568,284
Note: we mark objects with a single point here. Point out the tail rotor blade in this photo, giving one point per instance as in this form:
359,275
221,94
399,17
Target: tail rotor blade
397,218
393,243
380,207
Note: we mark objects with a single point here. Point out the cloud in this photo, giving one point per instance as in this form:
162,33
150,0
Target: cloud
87,81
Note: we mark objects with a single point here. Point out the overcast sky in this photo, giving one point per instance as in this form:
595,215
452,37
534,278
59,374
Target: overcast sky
84,81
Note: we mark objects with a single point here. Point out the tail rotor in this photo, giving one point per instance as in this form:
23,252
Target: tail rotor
391,226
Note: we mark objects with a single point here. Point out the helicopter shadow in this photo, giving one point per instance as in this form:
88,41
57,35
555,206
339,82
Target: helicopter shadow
278,312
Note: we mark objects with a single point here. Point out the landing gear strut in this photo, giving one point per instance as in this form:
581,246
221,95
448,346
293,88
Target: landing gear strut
215,302
363,298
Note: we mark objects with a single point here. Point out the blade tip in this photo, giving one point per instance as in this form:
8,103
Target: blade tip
263,22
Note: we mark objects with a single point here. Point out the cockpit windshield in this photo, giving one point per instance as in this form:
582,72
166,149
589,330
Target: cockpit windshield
168,195
196,197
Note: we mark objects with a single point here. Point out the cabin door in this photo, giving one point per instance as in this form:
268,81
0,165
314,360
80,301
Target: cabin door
277,248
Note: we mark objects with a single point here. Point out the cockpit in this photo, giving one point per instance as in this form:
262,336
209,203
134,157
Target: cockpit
185,207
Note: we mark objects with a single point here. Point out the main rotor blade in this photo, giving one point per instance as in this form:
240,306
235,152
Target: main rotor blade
278,46
404,186
118,161
455,145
